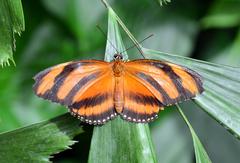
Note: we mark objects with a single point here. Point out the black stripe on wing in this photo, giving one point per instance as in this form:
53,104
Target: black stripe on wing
184,93
149,79
67,69
144,99
197,78
38,78
59,80
51,94
83,82
90,101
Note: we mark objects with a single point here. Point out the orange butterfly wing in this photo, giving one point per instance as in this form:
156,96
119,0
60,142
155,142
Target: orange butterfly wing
149,85
140,104
95,105
85,87
168,82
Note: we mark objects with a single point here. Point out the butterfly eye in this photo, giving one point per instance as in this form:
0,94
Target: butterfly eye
118,56
115,56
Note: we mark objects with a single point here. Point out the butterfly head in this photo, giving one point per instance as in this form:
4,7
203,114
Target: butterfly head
118,57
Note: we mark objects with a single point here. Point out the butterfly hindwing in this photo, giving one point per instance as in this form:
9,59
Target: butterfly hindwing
170,83
140,105
95,105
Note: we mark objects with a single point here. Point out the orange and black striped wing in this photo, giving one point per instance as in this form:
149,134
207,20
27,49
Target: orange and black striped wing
140,104
170,83
95,105
68,84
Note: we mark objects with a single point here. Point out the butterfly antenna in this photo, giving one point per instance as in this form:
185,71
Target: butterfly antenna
100,29
136,45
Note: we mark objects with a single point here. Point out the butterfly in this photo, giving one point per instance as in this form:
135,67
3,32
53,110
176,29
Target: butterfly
97,91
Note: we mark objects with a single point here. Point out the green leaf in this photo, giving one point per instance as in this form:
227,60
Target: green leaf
11,22
37,142
114,40
200,153
119,140
221,96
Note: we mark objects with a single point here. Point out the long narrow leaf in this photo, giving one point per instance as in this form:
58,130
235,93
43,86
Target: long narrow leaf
37,142
118,140
200,153
11,22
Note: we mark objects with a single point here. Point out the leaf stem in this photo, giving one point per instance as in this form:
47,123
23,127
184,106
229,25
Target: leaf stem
184,117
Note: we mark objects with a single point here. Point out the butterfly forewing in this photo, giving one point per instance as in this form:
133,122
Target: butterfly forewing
61,82
170,83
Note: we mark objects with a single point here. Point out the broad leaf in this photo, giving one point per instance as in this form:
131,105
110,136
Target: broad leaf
37,142
119,140
11,22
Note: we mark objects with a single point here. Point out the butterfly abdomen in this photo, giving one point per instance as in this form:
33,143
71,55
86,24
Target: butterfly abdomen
118,94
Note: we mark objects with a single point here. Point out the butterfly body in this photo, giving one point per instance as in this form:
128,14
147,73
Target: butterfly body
118,68
97,91
118,71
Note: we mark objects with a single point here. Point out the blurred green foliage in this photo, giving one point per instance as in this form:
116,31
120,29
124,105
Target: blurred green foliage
60,30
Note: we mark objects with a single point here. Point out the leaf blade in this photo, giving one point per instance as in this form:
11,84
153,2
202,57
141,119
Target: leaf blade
39,141
200,153
11,22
